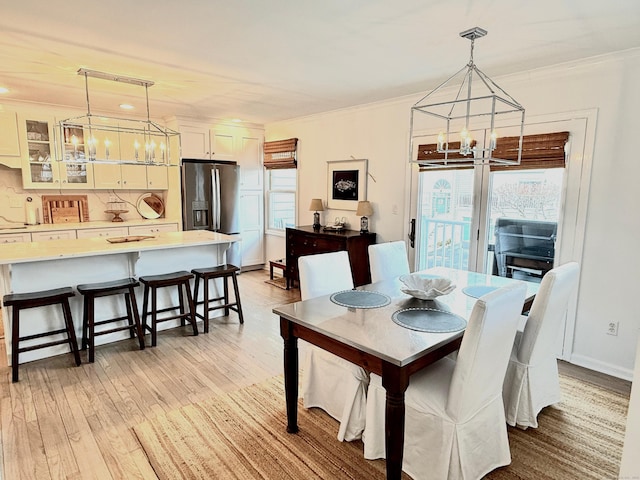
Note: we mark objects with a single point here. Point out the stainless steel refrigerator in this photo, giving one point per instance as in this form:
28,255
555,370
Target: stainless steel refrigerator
211,199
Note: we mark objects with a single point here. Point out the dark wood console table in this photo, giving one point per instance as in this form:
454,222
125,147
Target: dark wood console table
307,241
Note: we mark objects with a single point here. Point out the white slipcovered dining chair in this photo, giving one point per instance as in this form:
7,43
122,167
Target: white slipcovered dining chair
329,382
388,260
531,382
454,424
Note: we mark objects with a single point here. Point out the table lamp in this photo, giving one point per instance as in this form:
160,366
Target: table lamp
316,206
364,210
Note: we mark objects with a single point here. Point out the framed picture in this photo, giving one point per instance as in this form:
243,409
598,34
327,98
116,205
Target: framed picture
346,183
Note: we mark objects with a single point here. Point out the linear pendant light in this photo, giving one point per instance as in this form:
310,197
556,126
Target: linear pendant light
115,140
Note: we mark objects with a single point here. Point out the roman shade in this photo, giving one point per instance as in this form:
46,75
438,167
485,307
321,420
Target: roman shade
280,154
545,150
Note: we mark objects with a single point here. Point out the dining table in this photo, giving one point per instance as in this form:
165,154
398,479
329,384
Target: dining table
388,332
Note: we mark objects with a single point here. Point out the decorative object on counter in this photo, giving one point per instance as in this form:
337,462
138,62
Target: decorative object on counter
98,132
316,204
30,212
480,104
364,210
65,208
426,287
129,238
150,206
347,183
116,209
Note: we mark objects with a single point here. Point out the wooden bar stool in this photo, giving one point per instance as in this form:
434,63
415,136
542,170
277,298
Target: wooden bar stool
22,301
90,292
151,285
222,271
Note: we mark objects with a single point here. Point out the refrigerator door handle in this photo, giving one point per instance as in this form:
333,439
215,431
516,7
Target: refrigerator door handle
215,186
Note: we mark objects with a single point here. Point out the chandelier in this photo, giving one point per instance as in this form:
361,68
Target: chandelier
103,139
467,125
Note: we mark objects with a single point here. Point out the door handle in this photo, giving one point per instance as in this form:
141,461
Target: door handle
412,233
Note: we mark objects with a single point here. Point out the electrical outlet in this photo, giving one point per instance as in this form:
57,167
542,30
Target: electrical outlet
15,202
612,328
394,210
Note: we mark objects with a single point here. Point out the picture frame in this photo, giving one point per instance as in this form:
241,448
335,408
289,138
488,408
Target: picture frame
346,183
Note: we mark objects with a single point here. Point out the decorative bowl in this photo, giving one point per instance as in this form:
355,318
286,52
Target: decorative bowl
425,287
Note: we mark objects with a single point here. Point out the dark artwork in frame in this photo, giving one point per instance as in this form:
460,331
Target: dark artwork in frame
345,185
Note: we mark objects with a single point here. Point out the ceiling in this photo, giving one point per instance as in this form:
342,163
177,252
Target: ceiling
263,61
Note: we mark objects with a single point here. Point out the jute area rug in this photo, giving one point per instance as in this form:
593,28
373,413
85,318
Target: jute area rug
242,435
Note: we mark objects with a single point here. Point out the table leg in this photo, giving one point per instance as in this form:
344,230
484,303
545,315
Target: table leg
290,374
395,381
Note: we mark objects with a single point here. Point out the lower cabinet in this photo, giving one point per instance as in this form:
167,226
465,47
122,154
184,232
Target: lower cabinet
103,232
15,237
151,229
55,235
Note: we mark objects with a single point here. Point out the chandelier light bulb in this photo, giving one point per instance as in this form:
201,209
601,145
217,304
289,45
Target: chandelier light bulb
493,140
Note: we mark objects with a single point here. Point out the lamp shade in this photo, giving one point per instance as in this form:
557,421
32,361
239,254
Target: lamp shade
364,209
316,205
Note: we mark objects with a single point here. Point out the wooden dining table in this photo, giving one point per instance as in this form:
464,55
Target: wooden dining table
368,337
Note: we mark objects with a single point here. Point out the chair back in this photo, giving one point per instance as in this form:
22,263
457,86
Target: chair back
546,318
485,350
324,273
388,260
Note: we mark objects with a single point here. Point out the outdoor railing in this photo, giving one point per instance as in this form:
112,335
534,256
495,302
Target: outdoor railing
443,243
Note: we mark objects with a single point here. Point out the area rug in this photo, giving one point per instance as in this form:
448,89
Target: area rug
279,282
242,435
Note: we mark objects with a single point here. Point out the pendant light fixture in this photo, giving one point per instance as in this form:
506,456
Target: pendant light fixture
104,139
466,128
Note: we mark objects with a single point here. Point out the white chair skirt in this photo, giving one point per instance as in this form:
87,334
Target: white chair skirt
528,389
437,447
336,386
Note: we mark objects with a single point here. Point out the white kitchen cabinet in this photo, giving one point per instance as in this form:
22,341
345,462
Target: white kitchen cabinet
55,235
102,232
249,156
15,237
157,177
42,166
151,229
120,176
222,141
194,142
252,227
9,139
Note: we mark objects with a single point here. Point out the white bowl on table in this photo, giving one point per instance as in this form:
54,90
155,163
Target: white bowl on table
426,287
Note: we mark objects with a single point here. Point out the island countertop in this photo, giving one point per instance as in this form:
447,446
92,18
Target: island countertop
24,252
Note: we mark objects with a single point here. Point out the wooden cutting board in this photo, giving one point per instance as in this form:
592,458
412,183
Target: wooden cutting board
67,208
65,214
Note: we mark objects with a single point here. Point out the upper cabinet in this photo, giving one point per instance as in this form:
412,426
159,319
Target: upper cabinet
45,167
9,139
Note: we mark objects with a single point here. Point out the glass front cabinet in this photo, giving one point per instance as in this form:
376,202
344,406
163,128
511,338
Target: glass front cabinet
54,159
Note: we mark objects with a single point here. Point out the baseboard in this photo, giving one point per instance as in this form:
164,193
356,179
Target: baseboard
602,367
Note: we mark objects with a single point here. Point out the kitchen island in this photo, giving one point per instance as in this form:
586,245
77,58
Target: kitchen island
34,266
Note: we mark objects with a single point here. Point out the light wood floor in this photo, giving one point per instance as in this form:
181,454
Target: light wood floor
62,421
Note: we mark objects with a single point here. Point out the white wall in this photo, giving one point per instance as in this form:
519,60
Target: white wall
610,262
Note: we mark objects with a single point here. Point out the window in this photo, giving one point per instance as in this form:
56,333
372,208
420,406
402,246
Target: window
281,198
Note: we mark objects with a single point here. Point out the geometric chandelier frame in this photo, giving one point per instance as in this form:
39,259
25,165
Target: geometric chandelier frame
479,105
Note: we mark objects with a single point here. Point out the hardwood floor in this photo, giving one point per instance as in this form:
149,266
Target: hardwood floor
62,421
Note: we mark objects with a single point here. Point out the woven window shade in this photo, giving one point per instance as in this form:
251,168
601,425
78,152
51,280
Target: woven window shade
430,152
538,151
280,154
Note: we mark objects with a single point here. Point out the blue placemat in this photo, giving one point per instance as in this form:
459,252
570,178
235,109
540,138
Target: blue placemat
360,299
477,291
429,320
